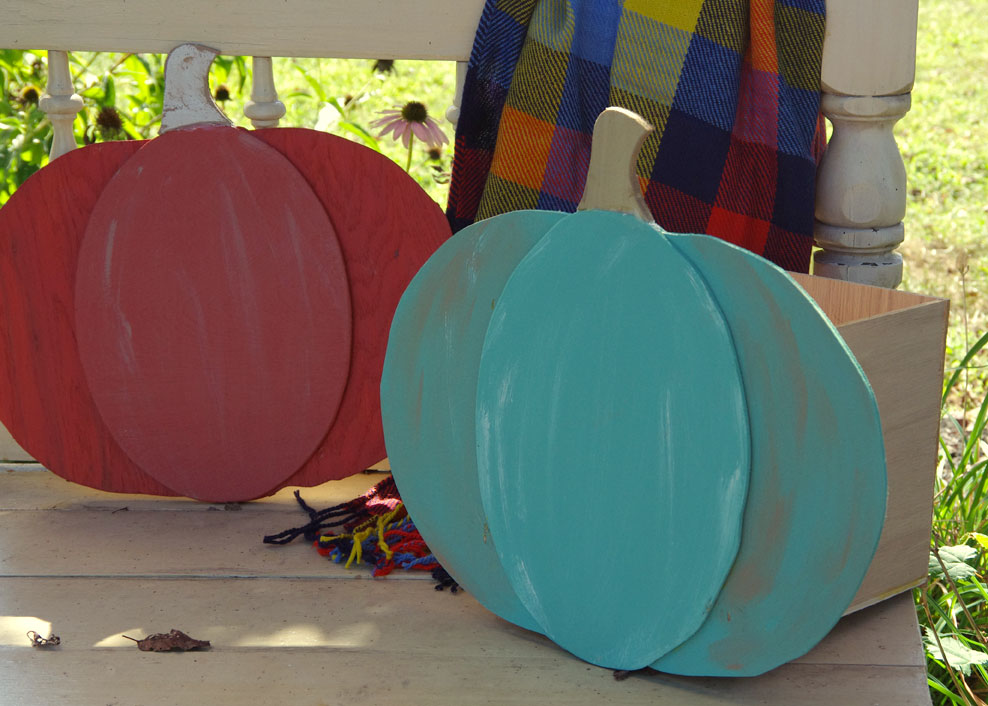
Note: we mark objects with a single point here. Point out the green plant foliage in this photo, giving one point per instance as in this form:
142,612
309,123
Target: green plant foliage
123,94
25,132
955,561
343,97
953,605
956,652
944,142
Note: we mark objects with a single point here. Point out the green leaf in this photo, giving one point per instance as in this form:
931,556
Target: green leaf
220,68
313,84
981,539
956,560
955,653
109,91
364,136
938,686
981,343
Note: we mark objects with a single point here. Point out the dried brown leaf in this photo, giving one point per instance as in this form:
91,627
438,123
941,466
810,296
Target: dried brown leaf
175,640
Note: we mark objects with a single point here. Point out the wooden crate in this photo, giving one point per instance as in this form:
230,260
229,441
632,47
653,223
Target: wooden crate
898,338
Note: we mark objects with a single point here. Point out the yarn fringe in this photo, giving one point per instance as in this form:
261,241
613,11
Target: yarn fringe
376,531
380,499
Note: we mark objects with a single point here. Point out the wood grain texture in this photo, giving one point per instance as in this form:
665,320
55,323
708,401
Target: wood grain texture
426,647
870,47
231,677
905,345
428,624
846,302
895,336
188,100
336,28
44,398
213,313
429,395
127,542
310,641
816,498
605,356
29,486
387,227
612,177
108,534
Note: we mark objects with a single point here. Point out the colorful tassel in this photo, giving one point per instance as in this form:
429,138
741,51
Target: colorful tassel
377,531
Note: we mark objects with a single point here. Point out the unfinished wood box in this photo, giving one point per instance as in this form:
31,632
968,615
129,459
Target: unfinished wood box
898,338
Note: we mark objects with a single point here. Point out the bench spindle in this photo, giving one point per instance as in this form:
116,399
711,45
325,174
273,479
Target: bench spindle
264,109
61,103
869,59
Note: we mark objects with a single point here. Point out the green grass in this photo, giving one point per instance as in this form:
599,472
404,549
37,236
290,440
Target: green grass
944,141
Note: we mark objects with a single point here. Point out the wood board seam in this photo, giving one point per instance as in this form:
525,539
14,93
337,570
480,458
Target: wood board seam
357,576
533,662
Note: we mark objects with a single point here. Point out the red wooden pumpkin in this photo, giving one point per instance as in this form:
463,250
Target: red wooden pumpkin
205,313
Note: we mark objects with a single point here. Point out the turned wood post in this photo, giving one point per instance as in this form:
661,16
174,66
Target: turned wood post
264,109
869,59
61,103
453,112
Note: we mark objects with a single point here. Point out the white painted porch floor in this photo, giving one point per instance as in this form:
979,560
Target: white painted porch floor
288,627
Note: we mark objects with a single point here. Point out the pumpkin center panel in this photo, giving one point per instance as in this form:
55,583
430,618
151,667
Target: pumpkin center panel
213,313
607,361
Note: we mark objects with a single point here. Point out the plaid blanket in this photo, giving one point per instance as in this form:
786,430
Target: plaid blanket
731,86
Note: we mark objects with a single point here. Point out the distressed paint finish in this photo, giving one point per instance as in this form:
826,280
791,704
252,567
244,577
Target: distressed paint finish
44,398
692,366
386,227
188,100
451,650
429,391
606,353
816,499
869,63
213,313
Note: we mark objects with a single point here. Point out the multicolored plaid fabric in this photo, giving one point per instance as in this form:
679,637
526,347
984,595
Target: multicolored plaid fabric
732,88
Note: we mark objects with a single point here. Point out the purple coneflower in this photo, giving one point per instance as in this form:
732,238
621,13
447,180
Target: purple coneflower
384,66
408,122
30,94
222,93
108,121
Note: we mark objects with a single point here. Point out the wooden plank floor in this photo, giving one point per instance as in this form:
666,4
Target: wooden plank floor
288,627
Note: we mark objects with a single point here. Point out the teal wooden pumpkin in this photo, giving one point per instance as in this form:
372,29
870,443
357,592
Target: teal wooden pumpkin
625,440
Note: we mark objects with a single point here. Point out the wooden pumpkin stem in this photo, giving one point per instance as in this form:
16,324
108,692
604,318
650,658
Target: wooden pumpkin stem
187,100
612,182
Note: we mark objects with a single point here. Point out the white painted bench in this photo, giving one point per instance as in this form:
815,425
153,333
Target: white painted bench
868,70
